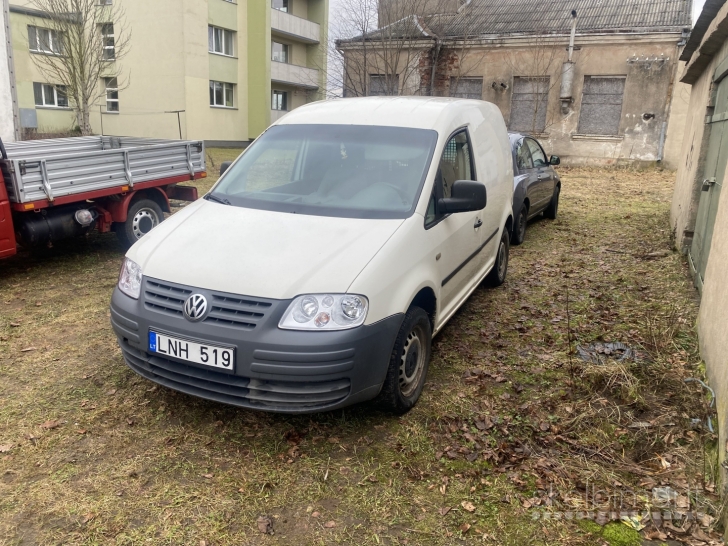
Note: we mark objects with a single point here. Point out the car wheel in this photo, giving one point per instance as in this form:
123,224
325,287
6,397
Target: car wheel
497,275
143,216
519,231
553,207
408,364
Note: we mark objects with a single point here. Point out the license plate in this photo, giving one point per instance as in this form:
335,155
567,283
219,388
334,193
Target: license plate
192,351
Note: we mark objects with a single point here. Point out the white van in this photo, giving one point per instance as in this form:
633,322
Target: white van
316,271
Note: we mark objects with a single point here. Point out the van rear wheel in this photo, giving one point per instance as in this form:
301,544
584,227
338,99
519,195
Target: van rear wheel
142,216
497,275
408,364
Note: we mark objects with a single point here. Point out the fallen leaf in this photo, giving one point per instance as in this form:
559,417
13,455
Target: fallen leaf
465,527
444,510
265,525
467,505
82,431
111,392
208,476
27,349
544,426
5,448
330,524
88,517
15,324
51,424
315,514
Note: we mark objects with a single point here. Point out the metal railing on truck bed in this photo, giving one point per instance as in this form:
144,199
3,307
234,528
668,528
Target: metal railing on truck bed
47,169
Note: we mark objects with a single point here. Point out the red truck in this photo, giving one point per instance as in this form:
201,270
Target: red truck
59,188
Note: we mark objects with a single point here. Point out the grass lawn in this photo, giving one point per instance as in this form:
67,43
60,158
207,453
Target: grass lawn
513,437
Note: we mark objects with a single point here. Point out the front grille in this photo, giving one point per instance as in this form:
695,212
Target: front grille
289,396
225,309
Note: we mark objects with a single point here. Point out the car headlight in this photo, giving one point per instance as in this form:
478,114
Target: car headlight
130,278
325,312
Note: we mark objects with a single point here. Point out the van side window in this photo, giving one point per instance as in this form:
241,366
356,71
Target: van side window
456,163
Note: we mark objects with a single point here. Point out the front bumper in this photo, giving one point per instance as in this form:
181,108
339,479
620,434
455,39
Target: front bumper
276,370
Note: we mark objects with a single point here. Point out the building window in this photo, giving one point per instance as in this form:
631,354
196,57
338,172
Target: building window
601,105
112,94
220,40
282,5
221,94
107,41
45,40
528,104
381,85
280,100
280,52
466,88
105,2
50,95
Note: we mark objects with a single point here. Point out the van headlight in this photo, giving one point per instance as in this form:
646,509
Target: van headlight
130,278
325,312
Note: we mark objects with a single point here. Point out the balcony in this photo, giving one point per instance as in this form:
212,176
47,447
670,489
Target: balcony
295,28
291,74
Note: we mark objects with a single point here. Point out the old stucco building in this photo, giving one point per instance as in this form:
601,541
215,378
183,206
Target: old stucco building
699,214
623,103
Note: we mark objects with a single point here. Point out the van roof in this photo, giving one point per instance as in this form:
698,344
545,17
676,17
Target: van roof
417,112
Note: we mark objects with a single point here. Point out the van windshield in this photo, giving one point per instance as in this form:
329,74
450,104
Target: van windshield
355,171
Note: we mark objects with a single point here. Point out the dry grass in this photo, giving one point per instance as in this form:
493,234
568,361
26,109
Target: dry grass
507,422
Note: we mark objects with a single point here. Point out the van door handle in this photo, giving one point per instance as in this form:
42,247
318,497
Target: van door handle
478,223
707,183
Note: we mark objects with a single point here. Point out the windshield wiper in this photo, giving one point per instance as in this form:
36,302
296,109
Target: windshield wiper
213,197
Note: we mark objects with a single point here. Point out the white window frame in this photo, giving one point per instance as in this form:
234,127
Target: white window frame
228,89
55,43
283,103
45,89
110,90
216,41
104,38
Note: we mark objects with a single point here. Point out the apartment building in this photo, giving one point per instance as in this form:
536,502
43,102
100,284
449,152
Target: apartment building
216,70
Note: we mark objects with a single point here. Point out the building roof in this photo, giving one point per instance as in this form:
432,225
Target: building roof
708,13
485,18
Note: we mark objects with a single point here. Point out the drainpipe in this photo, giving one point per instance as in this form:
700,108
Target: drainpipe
668,106
567,71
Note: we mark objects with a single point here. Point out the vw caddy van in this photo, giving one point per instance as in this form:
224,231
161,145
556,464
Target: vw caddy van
316,271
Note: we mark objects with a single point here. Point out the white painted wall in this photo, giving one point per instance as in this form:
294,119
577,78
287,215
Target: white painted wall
7,128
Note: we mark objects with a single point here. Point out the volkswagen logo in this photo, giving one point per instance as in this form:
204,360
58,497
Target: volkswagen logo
195,307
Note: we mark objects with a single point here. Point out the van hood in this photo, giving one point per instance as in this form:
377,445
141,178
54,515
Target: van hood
260,253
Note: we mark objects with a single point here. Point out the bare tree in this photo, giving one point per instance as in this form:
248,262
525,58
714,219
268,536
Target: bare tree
79,42
380,61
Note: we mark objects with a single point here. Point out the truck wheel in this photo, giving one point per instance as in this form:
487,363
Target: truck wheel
408,364
142,216
519,232
497,275
553,207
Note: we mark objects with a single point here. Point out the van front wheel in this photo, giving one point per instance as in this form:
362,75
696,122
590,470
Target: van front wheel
408,364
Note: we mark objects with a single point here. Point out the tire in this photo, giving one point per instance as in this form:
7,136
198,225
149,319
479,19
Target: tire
408,364
519,230
497,275
553,208
142,216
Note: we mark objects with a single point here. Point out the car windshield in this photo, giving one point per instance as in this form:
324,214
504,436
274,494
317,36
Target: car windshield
355,171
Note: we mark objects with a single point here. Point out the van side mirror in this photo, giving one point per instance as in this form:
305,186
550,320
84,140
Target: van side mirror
224,166
466,196
555,160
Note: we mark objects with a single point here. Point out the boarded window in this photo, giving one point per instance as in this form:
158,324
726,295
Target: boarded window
528,104
601,105
381,84
466,88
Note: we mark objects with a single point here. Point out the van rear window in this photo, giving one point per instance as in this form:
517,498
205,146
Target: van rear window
357,171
